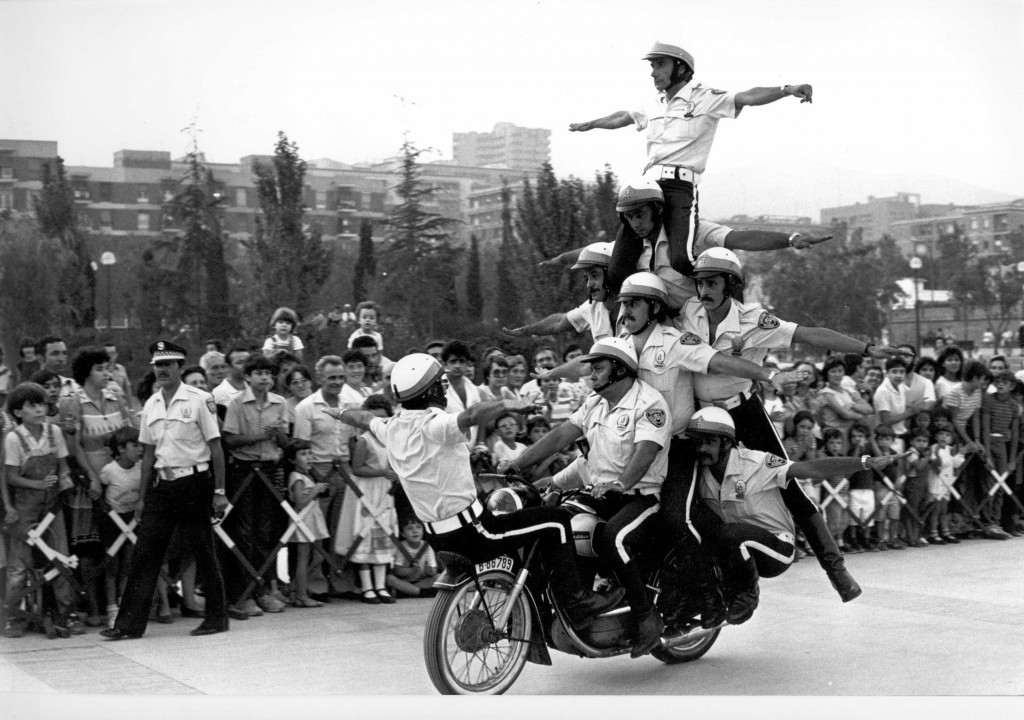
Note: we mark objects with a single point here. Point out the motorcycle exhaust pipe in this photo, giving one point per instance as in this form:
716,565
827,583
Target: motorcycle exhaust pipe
686,636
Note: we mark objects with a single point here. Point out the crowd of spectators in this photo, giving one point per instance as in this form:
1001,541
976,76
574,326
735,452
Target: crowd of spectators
351,533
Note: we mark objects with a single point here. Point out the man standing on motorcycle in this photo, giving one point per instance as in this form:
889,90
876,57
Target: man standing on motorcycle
719,317
627,425
429,450
745,489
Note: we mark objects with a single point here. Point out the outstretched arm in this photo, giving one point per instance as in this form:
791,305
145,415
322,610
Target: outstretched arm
837,342
547,446
827,467
766,95
569,256
616,120
764,240
554,323
722,364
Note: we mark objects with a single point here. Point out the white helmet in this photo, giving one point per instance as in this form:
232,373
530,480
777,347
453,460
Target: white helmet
618,349
717,261
638,192
646,285
597,254
413,375
711,421
660,49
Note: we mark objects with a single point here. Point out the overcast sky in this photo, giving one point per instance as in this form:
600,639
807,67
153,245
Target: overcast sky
900,86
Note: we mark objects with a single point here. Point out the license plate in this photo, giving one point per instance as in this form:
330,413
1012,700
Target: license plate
501,563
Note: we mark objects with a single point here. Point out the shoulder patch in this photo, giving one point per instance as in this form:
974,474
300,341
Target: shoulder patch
774,461
211,405
657,417
767,321
688,338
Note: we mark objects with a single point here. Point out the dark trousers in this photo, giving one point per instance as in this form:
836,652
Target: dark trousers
679,218
739,542
254,525
184,503
496,535
631,524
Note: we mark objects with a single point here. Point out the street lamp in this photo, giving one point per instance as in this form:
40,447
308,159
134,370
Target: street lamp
915,266
108,259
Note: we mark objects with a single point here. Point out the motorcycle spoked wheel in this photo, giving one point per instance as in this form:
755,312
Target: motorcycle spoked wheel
464,653
692,649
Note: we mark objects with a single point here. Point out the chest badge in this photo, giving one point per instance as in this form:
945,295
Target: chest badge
186,412
659,359
741,489
622,422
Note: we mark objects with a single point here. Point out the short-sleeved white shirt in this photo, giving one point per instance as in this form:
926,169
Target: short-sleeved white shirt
430,454
680,131
761,330
328,438
456,406
614,432
893,400
377,338
181,429
292,344
121,486
224,393
680,287
668,363
14,450
593,316
919,389
751,491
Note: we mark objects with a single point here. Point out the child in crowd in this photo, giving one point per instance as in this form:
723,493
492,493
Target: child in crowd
35,474
368,317
1000,432
504,445
415,568
945,462
368,523
121,478
862,495
918,466
537,426
49,381
28,364
887,504
303,493
836,516
283,323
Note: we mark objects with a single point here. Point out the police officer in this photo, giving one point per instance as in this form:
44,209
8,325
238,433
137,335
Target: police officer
627,425
429,450
681,125
182,485
595,313
745,489
718,316
671,362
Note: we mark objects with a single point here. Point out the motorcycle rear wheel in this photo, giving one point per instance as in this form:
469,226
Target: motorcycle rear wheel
690,651
463,652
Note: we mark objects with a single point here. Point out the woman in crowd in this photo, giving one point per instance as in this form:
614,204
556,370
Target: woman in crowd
517,372
837,408
951,365
495,385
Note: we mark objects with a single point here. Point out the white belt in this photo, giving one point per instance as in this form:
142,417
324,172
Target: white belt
459,520
169,473
729,403
645,491
672,172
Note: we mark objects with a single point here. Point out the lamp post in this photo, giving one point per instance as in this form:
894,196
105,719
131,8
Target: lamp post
915,266
108,259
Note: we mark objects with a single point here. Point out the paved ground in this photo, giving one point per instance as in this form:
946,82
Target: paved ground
943,621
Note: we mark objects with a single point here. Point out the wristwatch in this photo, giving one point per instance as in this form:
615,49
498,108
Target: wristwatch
220,491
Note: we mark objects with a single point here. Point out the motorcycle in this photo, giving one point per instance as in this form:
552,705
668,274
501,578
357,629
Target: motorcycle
490,618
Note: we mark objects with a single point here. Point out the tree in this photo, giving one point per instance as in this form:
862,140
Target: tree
553,216
510,267
420,261
288,260
55,211
199,247
366,266
474,286
604,198
848,290
30,301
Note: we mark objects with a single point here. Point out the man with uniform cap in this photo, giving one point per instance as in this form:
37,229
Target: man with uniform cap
182,485
429,450
745,490
640,206
627,425
681,125
718,316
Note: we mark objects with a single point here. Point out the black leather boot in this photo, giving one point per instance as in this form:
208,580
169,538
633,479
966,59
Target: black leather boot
648,633
713,610
829,557
587,604
742,592
678,600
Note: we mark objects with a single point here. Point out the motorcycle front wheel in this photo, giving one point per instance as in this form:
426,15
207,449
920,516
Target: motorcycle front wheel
464,652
